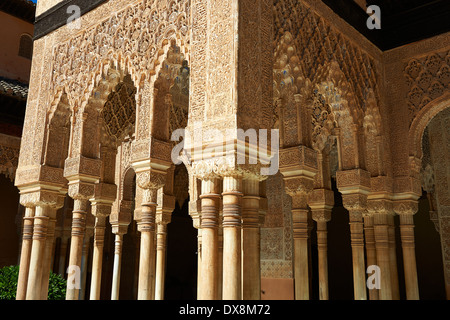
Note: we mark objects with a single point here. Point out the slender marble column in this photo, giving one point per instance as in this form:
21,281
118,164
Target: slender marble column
41,221
322,217
84,257
382,248
117,266
408,248
357,243
209,224
371,253
27,241
393,257
161,247
97,257
147,228
356,204
300,234
251,269
232,194
48,253
76,248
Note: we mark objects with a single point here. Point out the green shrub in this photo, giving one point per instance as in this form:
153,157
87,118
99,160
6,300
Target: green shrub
8,284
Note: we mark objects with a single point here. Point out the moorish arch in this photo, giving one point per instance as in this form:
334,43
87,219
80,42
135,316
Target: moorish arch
434,166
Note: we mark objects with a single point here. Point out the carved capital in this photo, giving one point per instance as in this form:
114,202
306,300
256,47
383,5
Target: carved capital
100,208
321,215
151,179
406,207
355,202
298,185
42,197
379,206
79,190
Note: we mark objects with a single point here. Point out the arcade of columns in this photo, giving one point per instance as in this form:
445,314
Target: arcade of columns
104,102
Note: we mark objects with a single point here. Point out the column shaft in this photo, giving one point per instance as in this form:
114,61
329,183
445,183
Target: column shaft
48,254
232,238
37,254
371,253
357,243
301,260
97,258
27,241
147,228
409,256
383,254
209,223
116,268
393,258
76,249
323,259
161,236
251,269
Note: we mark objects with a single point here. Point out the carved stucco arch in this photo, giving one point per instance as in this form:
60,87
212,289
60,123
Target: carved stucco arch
345,115
421,121
124,41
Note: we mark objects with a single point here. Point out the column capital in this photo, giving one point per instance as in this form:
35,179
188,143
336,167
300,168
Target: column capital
355,202
322,215
297,185
150,179
81,190
42,197
380,206
405,207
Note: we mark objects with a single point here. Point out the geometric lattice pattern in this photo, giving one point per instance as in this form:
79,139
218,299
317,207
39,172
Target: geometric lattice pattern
119,111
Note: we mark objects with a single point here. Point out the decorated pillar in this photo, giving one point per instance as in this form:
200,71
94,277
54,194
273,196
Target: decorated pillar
321,203
48,252
120,219
149,181
379,210
371,253
82,173
210,224
393,256
354,184
101,209
27,241
406,210
37,253
166,205
251,260
41,199
232,215
299,167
